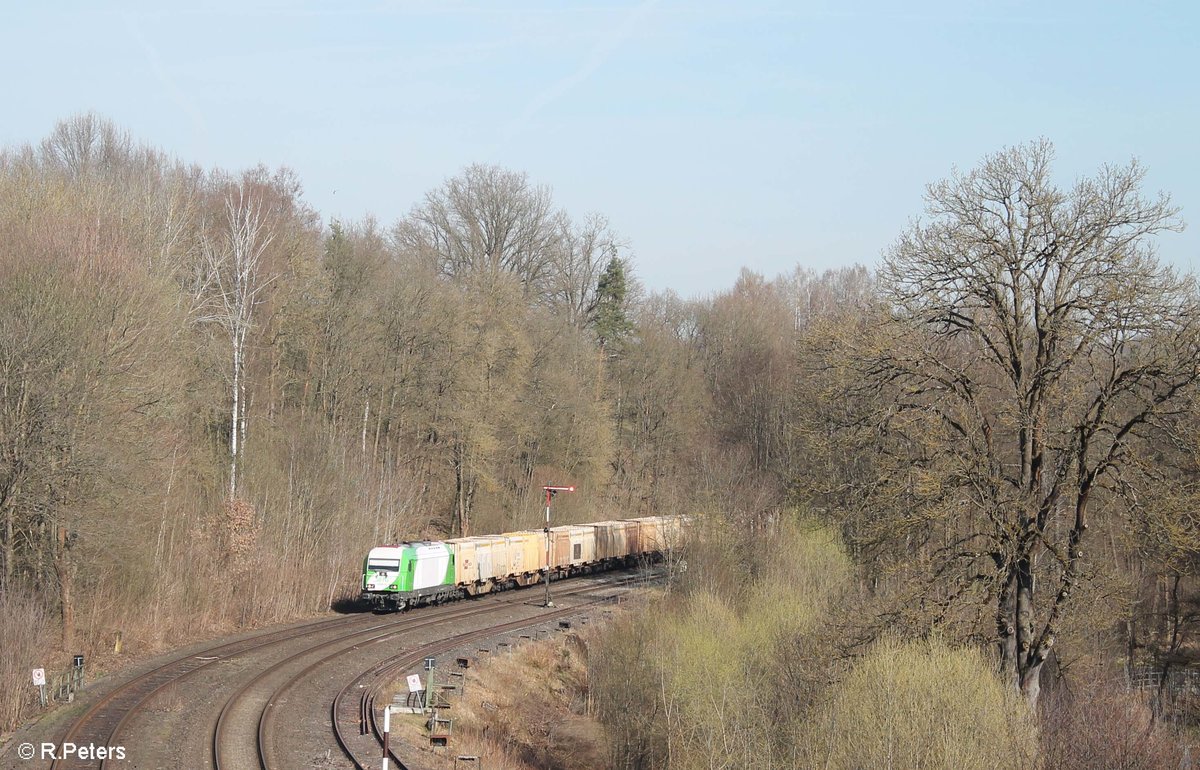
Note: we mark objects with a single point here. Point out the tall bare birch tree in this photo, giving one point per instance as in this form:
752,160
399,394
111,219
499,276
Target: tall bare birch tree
235,278
1032,337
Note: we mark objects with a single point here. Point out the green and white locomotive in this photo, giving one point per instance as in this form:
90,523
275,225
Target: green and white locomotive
399,576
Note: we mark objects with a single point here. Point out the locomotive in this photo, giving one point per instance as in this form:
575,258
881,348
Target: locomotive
430,572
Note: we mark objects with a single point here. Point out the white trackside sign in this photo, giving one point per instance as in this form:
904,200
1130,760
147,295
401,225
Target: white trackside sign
414,683
39,677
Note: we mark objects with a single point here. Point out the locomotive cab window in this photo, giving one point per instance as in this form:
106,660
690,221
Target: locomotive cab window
384,565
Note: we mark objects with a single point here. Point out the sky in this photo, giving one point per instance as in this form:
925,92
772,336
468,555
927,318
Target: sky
714,136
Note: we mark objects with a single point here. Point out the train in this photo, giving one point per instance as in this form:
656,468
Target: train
404,575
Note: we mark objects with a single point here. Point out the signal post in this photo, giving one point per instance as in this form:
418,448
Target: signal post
550,491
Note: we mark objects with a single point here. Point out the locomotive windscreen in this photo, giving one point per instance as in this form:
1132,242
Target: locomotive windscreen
384,565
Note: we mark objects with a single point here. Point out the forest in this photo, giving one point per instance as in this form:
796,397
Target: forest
969,469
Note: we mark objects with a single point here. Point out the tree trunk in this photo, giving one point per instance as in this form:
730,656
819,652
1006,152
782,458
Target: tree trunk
460,490
465,491
65,571
1006,632
1175,623
1021,661
365,422
233,439
9,548
1031,684
11,493
468,503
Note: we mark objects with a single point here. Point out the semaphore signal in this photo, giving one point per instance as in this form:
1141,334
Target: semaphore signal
551,491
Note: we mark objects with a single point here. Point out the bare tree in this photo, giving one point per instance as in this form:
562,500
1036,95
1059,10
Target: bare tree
234,281
487,221
747,338
585,252
1032,336
86,143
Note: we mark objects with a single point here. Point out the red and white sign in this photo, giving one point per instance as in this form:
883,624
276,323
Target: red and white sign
414,683
39,677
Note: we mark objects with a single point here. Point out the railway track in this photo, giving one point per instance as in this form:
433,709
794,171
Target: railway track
373,712
102,722
242,735
355,703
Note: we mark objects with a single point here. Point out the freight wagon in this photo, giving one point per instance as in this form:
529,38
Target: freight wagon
428,572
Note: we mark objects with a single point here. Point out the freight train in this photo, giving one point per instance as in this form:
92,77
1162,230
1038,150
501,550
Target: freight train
429,572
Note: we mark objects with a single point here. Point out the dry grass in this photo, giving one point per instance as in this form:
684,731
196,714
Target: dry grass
530,705
523,710
24,630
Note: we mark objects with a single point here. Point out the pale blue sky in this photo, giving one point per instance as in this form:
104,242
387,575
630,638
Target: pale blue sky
712,135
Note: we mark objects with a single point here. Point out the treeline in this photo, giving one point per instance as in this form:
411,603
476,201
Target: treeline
211,402
1000,423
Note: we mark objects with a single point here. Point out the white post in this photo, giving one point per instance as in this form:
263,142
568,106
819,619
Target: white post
551,491
548,554
387,728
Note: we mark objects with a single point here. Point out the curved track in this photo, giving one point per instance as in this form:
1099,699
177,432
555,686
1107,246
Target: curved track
102,722
242,737
349,709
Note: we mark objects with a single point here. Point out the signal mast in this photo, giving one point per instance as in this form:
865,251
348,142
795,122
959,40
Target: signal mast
550,491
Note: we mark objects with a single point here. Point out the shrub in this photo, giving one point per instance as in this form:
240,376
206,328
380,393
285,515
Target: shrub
23,631
1099,728
710,677
921,705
